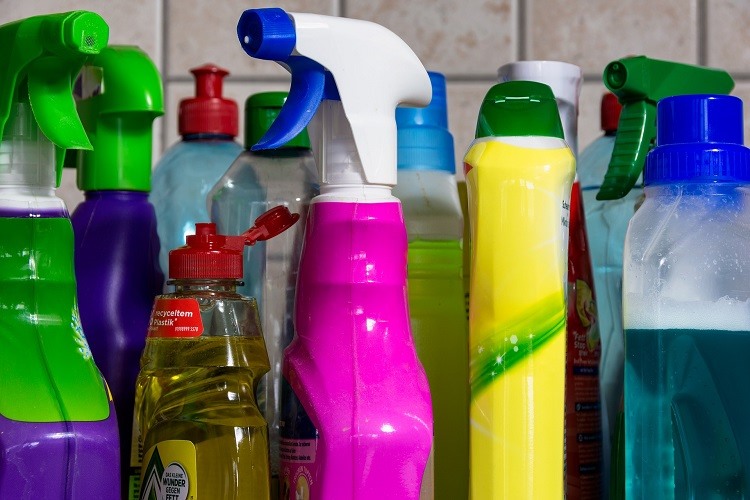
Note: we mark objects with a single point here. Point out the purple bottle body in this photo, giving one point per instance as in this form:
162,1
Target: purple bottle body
118,274
353,365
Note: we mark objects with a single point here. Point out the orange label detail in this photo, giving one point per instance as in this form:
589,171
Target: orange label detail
175,318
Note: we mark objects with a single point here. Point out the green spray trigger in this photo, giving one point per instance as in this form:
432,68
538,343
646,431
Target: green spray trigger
43,55
639,82
122,95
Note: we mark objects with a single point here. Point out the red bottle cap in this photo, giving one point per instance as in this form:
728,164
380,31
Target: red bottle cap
208,112
208,255
611,109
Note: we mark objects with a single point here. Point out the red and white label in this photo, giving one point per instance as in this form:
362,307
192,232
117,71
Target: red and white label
175,318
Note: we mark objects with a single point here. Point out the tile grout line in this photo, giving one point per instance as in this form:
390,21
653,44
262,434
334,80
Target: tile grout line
521,30
341,6
702,32
164,62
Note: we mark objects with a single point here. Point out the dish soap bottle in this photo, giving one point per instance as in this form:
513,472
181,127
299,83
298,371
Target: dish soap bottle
257,181
352,364
188,170
686,287
202,433
58,429
117,248
434,224
519,173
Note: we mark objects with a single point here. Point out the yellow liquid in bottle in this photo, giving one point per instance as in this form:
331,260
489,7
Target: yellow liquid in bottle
203,390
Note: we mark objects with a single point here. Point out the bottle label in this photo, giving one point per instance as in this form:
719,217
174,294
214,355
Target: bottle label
136,459
175,318
171,472
297,448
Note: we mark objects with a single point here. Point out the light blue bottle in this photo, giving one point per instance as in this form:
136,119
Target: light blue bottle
188,170
686,308
607,223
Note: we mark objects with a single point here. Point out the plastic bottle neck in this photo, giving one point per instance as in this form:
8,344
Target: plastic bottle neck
202,286
355,193
118,195
207,138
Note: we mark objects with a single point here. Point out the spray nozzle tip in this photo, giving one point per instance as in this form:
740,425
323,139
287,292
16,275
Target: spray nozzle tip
267,34
82,32
615,75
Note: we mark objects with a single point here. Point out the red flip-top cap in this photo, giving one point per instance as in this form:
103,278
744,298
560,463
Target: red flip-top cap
208,112
611,109
208,255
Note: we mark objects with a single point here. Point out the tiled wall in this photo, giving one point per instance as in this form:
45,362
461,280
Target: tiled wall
466,39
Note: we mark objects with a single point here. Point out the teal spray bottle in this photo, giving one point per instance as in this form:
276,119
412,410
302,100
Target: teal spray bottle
638,82
58,430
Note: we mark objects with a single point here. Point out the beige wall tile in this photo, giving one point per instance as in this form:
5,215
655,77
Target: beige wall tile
728,36
464,100
468,37
201,31
176,91
591,34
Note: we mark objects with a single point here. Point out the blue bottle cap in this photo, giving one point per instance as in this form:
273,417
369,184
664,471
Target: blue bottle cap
424,142
698,139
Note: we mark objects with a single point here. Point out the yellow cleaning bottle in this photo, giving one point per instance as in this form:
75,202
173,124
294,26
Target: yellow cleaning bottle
519,173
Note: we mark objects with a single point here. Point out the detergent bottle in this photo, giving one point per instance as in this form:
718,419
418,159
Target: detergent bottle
583,443
638,82
58,429
257,181
352,365
686,305
117,248
188,170
203,435
434,225
519,173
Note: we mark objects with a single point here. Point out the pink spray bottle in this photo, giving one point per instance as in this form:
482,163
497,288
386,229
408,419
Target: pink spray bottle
360,422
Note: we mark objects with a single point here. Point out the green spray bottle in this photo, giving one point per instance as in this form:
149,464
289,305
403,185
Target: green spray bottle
638,82
53,396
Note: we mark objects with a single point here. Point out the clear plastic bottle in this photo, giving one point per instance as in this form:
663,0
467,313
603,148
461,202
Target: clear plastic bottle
255,182
196,392
188,170
607,223
434,224
686,308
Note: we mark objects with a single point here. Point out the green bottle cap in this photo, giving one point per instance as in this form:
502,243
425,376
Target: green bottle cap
125,97
639,82
42,56
519,108
260,112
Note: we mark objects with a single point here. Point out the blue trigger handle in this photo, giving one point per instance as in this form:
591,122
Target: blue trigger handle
270,34
267,34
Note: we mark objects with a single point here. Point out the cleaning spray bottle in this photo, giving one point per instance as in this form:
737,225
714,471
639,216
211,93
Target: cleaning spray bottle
257,181
638,82
583,443
352,364
434,224
58,429
202,432
686,307
519,173
188,170
117,248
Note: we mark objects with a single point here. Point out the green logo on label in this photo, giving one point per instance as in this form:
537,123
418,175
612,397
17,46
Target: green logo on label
160,483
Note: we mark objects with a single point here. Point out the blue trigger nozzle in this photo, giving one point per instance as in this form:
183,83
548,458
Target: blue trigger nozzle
267,34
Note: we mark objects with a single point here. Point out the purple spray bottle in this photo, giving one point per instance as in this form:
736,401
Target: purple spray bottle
117,247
